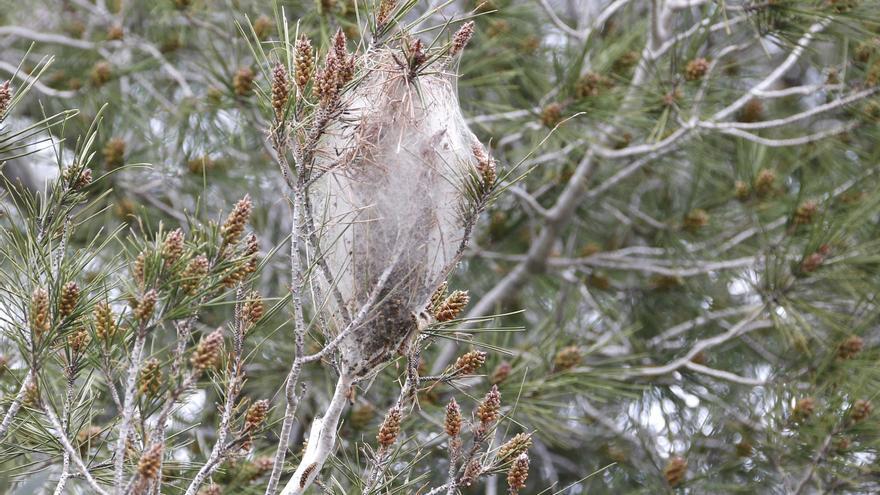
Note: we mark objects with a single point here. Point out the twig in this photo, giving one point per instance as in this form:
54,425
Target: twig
72,452
16,404
128,406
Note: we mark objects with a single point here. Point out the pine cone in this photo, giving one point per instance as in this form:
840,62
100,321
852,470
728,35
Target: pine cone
194,273
105,321
696,69
390,428
148,465
207,353
452,306
461,38
253,308
675,471
469,362
144,310
567,358
514,447
114,153
305,62
39,314
151,378
243,81
490,409
78,340
236,221
280,90
256,415
172,248
850,347
502,371
518,474
861,409
452,422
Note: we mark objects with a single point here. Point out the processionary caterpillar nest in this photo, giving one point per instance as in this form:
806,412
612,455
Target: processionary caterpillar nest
397,163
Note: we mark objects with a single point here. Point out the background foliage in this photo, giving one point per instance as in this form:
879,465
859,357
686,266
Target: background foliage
686,279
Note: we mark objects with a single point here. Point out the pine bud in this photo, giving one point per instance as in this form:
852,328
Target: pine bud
469,362
194,273
551,114
5,98
39,314
567,358
741,190
490,409
280,91
243,81
105,321
114,153
262,27
753,111
235,275
675,471
485,165
172,248
151,378
502,371
390,428
305,62
804,408
850,347
696,69
82,181
252,309
514,447
236,221
256,415
592,85
765,182
861,409
744,448
69,298
518,474
88,435
101,73
207,353
346,60
696,219
461,38
805,213
452,306
326,81
144,309
452,422
148,465
139,268
812,262
115,33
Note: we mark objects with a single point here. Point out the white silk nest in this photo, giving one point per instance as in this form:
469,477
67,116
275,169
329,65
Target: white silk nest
389,205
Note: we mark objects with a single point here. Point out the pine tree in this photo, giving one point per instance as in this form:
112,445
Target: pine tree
251,218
